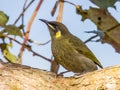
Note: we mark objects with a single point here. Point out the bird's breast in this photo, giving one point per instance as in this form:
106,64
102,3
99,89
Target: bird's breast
66,55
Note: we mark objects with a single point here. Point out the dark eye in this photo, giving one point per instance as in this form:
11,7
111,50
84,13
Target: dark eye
56,28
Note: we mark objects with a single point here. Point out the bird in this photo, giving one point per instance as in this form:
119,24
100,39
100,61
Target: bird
69,51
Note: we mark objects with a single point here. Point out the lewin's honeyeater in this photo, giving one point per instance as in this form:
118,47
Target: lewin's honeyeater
69,51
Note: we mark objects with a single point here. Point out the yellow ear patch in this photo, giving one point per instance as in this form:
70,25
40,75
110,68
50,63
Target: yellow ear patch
58,34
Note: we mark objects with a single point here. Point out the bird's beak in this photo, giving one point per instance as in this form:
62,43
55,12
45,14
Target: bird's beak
51,27
48,23
45,21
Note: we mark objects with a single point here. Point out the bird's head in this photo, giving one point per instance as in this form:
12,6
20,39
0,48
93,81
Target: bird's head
57,30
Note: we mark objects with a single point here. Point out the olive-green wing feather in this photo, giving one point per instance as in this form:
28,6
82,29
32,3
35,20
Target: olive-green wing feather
82,48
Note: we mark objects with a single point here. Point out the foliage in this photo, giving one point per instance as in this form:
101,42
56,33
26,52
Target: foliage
3,18
104,4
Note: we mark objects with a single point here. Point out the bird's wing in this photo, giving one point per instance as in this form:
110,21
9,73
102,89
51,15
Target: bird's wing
82,48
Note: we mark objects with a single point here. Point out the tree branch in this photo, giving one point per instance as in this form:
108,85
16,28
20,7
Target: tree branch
23,12
59,18
16,76
28,30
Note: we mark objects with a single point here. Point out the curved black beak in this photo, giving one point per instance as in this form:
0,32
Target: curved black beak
48,23
45,21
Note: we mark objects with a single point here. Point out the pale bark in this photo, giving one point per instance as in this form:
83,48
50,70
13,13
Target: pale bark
18,77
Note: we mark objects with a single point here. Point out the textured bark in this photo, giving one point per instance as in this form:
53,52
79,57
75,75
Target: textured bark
19,77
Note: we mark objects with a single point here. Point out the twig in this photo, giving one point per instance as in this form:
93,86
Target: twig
61,73
90,38
38,43
28,30
23,12
27,47
59,18
49,60
70,3
23,16
54,8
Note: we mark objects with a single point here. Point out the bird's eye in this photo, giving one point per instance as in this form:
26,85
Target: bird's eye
53,27
56,28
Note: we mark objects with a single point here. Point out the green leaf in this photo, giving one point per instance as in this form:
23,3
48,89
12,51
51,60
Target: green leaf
7,54
3,19
81,12
13,30
104,4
